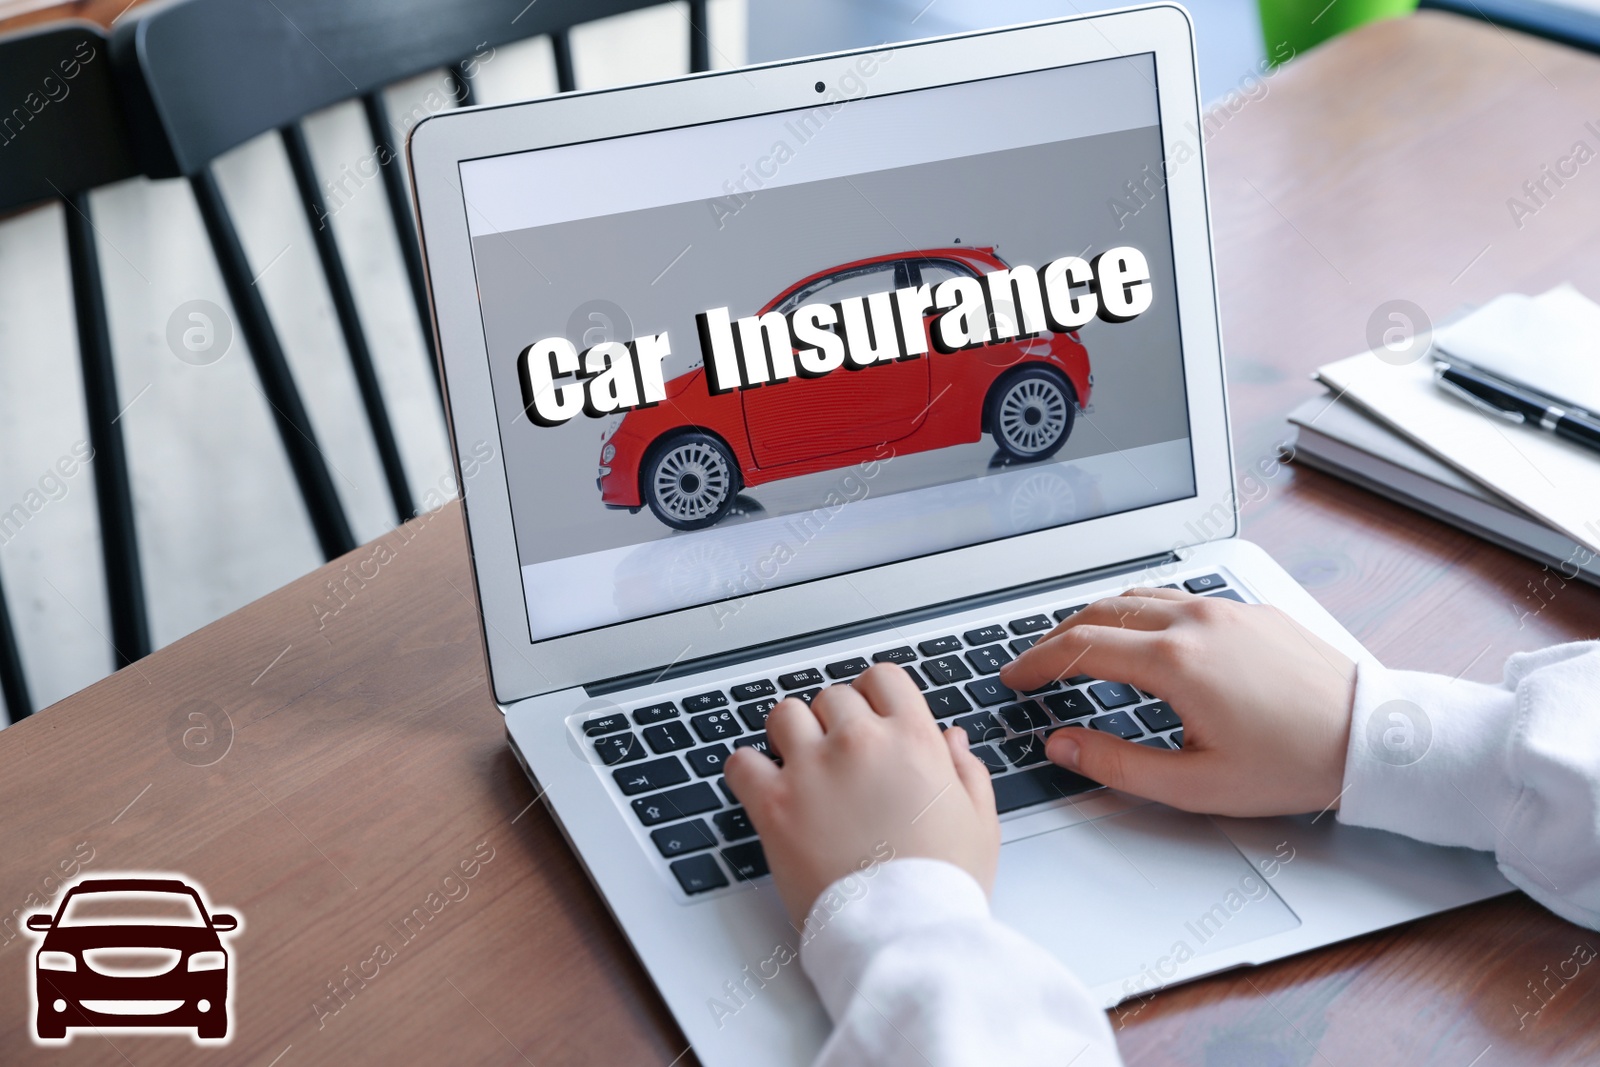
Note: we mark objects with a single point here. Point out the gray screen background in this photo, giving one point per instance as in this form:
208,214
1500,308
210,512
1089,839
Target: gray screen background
645,271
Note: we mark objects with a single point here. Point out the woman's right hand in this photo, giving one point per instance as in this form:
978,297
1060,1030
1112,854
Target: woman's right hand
1265,703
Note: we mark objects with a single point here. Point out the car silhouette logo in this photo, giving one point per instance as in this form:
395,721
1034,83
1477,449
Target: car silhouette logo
138,951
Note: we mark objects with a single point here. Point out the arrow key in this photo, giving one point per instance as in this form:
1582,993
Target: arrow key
684,837
657,774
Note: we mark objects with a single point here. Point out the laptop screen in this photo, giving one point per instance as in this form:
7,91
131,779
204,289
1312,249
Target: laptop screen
748,354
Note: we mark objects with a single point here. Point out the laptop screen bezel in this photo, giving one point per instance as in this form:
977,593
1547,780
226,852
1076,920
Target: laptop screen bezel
520,667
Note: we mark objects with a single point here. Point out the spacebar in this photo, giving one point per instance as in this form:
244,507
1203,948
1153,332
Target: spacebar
1013,791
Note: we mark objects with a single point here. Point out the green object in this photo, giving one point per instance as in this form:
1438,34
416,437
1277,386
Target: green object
1290,27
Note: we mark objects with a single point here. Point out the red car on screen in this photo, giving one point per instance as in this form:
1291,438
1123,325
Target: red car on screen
686,459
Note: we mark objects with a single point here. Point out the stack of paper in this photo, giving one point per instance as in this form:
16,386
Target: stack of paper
1391,429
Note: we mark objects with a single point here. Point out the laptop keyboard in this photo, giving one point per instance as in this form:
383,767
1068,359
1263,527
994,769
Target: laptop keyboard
665,757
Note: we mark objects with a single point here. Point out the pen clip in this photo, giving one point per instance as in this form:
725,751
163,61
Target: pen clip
1476,401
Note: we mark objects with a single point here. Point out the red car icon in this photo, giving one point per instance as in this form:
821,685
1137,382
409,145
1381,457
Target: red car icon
132,952
686,459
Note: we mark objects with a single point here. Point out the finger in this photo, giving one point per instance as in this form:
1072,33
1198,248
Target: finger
1133,610
753,777
1187,780
837,705
1099,651
891,692
974,776
792,728
1158,593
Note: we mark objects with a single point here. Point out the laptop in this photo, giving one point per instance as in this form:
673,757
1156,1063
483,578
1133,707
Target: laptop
904,354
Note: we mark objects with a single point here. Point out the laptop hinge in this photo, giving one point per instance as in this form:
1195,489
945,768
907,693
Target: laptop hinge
734,657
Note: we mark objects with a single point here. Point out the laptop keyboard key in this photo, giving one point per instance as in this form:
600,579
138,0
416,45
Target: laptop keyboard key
760,743
981,727
1228,594
915,677
685,837
984,635
991,759
1119,723
1027,788
1158,716
807,695
676,804
1175,738
715,726
1023,751
988,660
1024,717
657,774
705,701
940,645
618,748
734,825
801,679
727,790
1069,705
708,761
668,737
945,670
746,861
1205,584
655,713
947,702
1031,625
1153,742
1113,695
1064,614
755,714
699,874
902,655
846,668
752,690
606,724
988,692
1022,644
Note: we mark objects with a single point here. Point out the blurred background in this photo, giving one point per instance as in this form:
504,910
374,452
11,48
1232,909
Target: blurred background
217,512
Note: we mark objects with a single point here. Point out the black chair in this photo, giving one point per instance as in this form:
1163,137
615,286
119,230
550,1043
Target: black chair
1573,26
65,136
203,76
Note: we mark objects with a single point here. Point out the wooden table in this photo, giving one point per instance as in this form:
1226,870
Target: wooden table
322,774
21,14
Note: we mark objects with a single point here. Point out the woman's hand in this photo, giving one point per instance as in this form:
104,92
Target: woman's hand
866,776
1265,703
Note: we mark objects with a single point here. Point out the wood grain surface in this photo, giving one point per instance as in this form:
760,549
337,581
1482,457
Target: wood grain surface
322,771
21,14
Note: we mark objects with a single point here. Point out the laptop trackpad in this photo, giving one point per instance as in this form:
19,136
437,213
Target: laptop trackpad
1112,897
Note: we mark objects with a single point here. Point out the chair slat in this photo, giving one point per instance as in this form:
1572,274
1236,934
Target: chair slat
119,540
13,682
393,168
272,368
344,305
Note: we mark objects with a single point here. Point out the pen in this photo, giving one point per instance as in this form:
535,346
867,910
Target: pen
1518,405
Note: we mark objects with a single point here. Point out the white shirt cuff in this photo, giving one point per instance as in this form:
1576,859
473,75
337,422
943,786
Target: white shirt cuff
861,913
1429,757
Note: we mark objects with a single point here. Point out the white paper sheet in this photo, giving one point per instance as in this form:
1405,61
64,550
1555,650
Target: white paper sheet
1549,342
1552,479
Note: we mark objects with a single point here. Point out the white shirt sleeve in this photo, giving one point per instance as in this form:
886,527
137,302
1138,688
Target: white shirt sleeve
1512,768
914,971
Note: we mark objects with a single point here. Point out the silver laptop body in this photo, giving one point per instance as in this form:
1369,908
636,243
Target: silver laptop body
679,512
